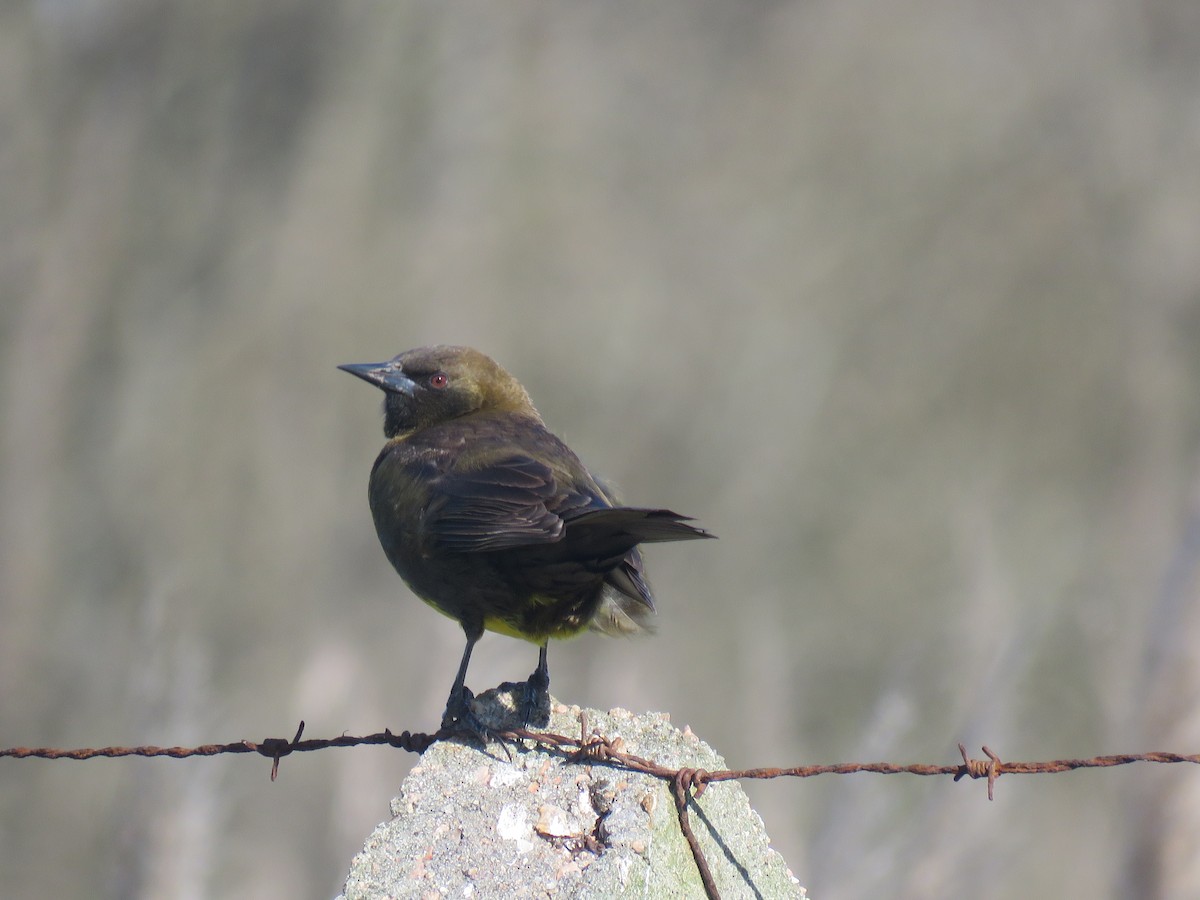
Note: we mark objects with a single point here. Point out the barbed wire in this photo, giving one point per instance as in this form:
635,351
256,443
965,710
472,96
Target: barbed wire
686,783
272,748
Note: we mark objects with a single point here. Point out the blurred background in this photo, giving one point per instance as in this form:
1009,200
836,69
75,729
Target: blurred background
900,300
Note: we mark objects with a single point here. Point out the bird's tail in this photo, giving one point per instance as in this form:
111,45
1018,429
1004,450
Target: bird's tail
628,605
647,525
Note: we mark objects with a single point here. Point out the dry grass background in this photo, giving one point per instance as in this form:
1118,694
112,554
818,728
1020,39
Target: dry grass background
901,300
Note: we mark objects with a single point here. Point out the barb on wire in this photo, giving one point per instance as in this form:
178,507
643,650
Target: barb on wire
978,768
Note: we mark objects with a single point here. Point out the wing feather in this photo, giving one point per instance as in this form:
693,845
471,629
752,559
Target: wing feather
512,502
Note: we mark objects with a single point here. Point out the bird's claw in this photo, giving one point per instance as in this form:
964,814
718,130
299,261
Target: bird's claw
535,701
460,713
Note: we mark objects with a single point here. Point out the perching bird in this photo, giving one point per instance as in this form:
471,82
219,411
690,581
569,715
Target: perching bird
493,521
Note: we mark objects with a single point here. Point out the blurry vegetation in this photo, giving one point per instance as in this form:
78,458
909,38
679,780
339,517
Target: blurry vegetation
902,301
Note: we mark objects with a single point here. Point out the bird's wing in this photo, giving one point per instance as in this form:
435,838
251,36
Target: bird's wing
511,502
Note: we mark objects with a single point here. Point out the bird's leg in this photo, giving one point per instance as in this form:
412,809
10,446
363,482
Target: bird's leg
458,706
535,699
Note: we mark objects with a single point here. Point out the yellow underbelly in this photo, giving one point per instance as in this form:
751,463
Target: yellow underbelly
538,634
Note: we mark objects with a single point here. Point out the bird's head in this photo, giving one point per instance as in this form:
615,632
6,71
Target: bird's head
428,385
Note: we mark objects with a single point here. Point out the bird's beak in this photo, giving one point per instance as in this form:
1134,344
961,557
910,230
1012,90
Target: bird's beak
387,375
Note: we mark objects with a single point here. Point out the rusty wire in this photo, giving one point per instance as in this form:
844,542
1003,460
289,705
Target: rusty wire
686,783
273,749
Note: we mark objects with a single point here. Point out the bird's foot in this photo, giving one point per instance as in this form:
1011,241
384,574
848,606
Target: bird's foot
535,700
459,717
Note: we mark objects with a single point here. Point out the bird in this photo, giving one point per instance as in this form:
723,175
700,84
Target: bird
495,522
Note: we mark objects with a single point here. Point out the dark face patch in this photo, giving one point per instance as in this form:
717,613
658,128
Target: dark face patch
399,414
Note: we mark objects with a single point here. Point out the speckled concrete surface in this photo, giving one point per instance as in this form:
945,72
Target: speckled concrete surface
472,821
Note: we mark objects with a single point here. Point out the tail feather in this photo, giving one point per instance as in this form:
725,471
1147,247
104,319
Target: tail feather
629,578
627,605
648,525
618,616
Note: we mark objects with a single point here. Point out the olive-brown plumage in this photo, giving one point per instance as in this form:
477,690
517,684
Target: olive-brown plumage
493,521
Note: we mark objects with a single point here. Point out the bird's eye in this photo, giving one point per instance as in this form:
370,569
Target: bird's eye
438,380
